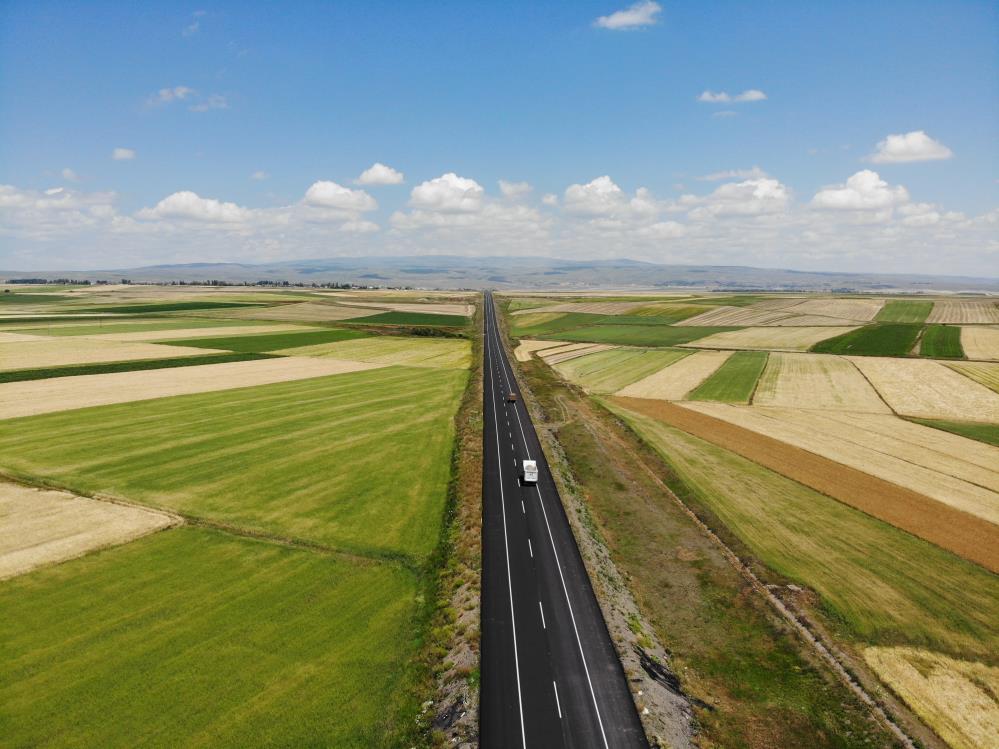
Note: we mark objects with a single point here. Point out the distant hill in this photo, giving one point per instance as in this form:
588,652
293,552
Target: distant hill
447,271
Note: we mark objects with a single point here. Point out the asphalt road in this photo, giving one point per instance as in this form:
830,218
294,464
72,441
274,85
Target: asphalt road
550,676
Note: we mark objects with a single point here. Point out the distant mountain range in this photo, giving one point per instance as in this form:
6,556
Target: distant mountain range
453,272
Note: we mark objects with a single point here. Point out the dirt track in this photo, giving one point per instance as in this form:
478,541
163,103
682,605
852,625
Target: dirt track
965,535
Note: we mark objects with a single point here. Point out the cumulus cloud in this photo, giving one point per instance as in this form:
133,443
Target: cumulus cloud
215,101
170,95
379,174
754,173
864,191
449,193
723,97
189,206
360,227
69,175
751,197
550,199
907,147
514,189
325,194
642,13
123,154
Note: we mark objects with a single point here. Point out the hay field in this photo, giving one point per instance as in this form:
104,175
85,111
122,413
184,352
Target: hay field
860,310
958,699
303,459
130,325
816,381
965,311
197,638
64,393
205,332
568,353
928,389
980,342
676,380
770,339
593,308
54,352
984,373
435,308
446,353
609,371
942,476
527,347
45,526
861,568
298,312
736,316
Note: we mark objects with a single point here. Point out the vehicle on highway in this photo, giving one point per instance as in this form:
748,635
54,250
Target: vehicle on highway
511,397
529,471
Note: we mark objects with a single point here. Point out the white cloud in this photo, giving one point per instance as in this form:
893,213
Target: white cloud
599,196
123,154
260,175
187,205
169,95
325,194
379,174
751,197
215,101
550,199
754,173
642,13
360,227
514,189
906,147
69,175
449,193
723,97
864,191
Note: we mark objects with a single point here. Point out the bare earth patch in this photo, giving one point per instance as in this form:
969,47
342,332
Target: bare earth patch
45,351
65,393
816,381
678,379
771,339
980,342
43,526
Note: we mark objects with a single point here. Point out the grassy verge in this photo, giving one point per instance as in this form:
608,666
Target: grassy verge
734,381
891,339
988,433
24,375
941,342
903,310
269,341
637,335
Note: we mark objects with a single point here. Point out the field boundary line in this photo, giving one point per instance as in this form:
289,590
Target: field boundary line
868,381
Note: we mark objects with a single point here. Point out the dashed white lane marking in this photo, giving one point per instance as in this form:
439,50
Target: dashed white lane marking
522,508
542,610
558,705
530,549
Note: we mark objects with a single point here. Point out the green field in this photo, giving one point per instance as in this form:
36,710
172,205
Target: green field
452,353
301,459
74,370
139,309
941,342
413,318
636,335
892,339
988,433
114,325
192,637
609,371
734,381
540,323
903,310
269,341
669,313
17,298
877,584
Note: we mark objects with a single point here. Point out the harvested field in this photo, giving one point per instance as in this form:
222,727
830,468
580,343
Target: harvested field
734,381
567,353
860,310
816,381
44,351
609,371
445,353
966,535
770,339
928,389
736,316
985,373
881,339
676,380
185,332
19,338
299,312
593,308
987,433
434,308
904,310
668,311
44,526
637,335
980,343
412,319
64,393
527,347
963,311
75,370
806,321
957,699
253,343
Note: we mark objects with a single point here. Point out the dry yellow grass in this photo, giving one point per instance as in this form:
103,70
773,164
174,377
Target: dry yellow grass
527,347
562,349
301,312
965,311
567,355
985,373
943,477
593,308
180,333
918,387
861,310
65,393
816,381
43,526
19,337
678,379
436,308
980,342
722,316
45,351
771,339
440,353
958,699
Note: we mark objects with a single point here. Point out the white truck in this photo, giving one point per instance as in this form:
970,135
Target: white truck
529,471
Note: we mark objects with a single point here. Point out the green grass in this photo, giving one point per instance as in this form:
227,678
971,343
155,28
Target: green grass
669,312
23,375
637,335
413,318
192,637
128,309
903,310
113,326
541,323
609,371
988,433
887,339
453,353
941,342
303,459
16,298
877,584
734,381
269,341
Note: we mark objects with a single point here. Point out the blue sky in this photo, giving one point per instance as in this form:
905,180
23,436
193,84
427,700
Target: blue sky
541,93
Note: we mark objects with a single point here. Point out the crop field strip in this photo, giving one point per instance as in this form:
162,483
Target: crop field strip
131,325
274,440
769,339
434,308
567,353
413,318
860,310
735,380
270,342
987,433
736,316
527,347
964,311
183,332
153,307
904,310
447,353
816,381
965,535
136,365
674,381
881,584
637,335
980,342
941,342
984,373
611,370
40,352
304,312
887,339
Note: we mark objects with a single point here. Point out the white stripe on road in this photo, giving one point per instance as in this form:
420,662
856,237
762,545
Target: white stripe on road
558,705
542,610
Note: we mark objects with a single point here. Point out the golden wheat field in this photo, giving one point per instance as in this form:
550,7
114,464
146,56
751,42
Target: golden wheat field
980,342
965,311
816,381
678,379
771,339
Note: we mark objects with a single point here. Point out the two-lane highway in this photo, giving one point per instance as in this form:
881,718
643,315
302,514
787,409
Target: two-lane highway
550,675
